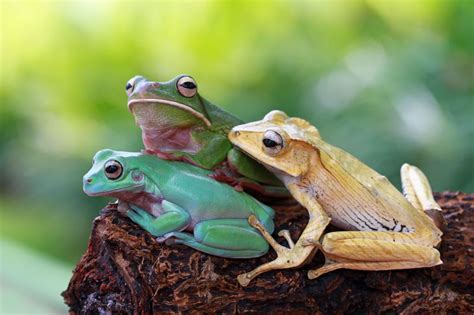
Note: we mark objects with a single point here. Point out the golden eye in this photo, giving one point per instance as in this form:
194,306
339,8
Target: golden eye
186,86
272,142
129,86
113,169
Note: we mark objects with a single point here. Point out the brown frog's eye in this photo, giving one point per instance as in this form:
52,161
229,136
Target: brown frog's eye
129,86
272,142
186,86
113,169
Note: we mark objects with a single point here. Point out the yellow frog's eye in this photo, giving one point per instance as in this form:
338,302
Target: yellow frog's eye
186,86
113,169
129,86
272,142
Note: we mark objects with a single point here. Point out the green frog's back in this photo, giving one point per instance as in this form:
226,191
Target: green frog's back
191,187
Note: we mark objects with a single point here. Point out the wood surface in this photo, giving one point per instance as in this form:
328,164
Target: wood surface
125,271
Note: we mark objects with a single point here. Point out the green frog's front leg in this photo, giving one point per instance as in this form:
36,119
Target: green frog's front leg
251,168
232,238
253,177
174,218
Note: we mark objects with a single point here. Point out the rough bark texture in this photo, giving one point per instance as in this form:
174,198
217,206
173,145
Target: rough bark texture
124,270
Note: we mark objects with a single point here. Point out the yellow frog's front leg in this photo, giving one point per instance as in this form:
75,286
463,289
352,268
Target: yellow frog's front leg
299,252
387,250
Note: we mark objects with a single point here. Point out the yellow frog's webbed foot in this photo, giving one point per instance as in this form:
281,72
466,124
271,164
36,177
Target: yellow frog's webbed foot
253,221
283,259
329,265
291,257
286,235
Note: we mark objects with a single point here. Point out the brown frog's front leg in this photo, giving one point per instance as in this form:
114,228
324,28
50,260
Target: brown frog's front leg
299,252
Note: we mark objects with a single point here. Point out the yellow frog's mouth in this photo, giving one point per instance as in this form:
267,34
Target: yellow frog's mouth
170,103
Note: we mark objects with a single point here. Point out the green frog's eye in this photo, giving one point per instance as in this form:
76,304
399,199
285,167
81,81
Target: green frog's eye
186,86
113,169
272,142
129,86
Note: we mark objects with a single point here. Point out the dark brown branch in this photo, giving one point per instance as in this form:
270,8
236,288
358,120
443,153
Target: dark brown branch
125,271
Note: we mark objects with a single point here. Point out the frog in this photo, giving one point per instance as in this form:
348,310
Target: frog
177,123
178,203
379,227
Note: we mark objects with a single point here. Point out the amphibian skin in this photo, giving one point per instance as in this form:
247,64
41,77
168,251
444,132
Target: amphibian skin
167,198
179,124
384,229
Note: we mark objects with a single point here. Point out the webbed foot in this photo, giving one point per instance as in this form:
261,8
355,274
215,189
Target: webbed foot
291,257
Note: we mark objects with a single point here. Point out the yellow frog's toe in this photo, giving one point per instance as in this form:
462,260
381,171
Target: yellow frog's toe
243,279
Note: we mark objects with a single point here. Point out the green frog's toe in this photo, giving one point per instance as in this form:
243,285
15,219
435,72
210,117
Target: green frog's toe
134,216
142,213
171,238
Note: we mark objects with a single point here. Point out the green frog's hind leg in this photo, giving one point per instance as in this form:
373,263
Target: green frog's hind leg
232,238
256,179
374,251
417,191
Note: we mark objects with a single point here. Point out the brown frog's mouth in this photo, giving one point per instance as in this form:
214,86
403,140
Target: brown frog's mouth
169,103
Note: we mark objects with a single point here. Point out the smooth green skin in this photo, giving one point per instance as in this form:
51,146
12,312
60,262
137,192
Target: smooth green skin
213,144
183,198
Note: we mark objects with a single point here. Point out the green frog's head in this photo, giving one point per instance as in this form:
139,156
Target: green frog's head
113,173
172,104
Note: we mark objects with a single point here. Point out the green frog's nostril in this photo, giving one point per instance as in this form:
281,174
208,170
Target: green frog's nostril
89,180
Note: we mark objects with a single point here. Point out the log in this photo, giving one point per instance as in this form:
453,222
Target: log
124,270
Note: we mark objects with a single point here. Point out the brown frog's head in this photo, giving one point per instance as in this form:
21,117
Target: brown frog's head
281,143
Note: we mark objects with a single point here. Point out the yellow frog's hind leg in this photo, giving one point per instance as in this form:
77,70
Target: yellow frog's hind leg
417,191
384,250
374,251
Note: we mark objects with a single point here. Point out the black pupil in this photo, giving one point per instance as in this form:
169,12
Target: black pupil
128,86
111,169
188,85
269,143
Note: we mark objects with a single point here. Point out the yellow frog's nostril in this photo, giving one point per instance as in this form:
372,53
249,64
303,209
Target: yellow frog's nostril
236,133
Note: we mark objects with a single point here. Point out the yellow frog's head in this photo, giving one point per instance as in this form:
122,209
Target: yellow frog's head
277,141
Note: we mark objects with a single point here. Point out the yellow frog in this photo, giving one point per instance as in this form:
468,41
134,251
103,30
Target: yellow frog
383,229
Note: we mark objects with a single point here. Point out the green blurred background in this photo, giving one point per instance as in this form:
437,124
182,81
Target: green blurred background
389,81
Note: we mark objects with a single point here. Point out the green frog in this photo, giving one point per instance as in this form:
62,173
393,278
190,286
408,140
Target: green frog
177,123
178,203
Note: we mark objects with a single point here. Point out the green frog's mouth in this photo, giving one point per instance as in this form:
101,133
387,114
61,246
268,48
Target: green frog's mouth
108,192
170,103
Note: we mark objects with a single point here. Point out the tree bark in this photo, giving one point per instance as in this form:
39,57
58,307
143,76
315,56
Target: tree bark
124,270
